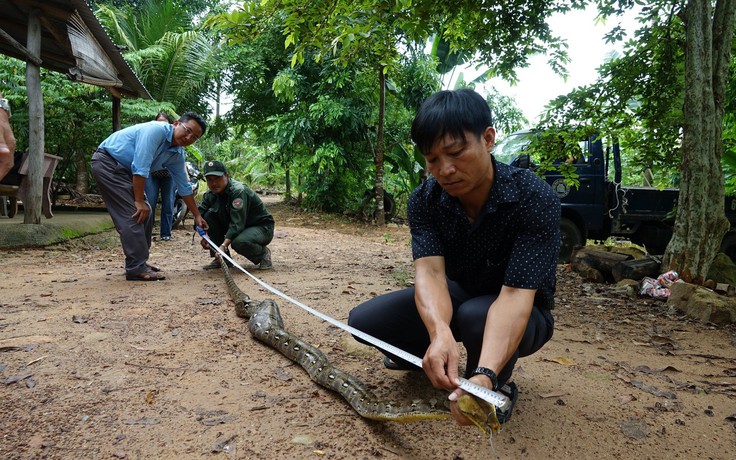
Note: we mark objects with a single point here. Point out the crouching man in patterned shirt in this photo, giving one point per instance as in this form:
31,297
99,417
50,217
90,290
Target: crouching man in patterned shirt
485,241
236,217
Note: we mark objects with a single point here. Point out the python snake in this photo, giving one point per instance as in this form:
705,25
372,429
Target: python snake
266,325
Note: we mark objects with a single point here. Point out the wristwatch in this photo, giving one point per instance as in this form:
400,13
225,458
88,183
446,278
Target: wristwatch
5,105
488,373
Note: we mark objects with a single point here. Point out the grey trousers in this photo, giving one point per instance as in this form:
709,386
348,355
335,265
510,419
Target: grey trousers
115,183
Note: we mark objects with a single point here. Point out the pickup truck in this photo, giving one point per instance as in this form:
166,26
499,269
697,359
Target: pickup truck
600,207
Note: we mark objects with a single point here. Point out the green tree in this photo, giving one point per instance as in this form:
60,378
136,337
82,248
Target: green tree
191,8
317,119
667,98
709,39
264,93
371,34
172,60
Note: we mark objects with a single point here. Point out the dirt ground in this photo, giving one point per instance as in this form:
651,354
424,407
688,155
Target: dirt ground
94,367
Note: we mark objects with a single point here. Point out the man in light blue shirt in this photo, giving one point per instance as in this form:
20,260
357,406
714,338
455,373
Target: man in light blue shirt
121,165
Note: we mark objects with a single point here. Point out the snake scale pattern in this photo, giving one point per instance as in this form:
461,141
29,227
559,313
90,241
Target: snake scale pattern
266,325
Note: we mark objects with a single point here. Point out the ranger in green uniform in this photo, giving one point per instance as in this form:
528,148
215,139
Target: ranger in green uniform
236,217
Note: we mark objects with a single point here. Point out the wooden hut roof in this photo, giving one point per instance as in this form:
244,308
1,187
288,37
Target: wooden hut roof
73,42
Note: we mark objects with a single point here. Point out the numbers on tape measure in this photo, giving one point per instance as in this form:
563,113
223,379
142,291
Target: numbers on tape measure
500,401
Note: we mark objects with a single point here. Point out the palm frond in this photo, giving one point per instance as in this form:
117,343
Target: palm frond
187,64
119,26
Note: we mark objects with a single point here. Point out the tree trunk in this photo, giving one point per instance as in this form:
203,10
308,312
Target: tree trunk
299,188
287,179
700,221
32,203
380,214
218,92
81,185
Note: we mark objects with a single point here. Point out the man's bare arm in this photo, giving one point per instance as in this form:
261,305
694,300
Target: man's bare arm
505,326
435,308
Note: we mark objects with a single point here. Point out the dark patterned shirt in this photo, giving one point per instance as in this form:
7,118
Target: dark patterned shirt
514,241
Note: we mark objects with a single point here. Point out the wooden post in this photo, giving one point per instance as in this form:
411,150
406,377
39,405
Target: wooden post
32,204
115,113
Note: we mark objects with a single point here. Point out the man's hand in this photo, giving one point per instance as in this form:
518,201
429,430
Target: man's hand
435,307
142,211
460,418
200,222
441,360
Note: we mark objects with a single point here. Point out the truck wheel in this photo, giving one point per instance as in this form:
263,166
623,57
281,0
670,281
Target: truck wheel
654,237
570,237
728,245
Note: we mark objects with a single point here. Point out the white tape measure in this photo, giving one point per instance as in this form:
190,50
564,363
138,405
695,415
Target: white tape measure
500,401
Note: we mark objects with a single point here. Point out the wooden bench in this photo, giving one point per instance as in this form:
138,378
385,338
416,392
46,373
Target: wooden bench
11,193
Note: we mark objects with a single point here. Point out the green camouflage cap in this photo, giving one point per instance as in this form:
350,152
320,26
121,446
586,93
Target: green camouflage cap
214,168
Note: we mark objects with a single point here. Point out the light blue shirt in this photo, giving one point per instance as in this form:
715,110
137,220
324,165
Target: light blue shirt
146,147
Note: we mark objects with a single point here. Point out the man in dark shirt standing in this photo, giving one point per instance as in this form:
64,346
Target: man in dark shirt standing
485,241
236,216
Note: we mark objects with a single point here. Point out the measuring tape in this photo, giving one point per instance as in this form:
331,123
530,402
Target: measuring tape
500,401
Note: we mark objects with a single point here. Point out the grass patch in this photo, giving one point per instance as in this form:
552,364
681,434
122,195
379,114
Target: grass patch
100,241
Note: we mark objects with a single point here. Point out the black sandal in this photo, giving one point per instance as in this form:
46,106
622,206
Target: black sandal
394,366
510,390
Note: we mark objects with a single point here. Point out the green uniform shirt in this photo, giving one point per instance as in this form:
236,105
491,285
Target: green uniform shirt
239,206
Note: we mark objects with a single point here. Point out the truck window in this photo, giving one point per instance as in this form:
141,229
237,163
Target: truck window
507,149
580,157
513,150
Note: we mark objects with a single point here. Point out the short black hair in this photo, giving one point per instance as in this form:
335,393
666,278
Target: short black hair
450,112
186,116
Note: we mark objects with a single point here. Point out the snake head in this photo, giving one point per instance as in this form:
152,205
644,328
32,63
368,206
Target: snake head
481,413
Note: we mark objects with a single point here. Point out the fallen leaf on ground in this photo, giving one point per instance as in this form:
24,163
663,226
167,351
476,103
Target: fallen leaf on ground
561,360
223,443
653,390
635,429
554,394
142,421
648,370
17,378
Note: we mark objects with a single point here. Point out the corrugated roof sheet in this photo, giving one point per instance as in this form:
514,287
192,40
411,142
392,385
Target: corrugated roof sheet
56,49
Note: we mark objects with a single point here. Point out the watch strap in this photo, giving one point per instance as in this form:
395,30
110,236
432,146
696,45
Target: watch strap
488,373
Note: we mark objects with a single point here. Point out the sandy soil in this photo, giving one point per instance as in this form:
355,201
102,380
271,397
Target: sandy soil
93,366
